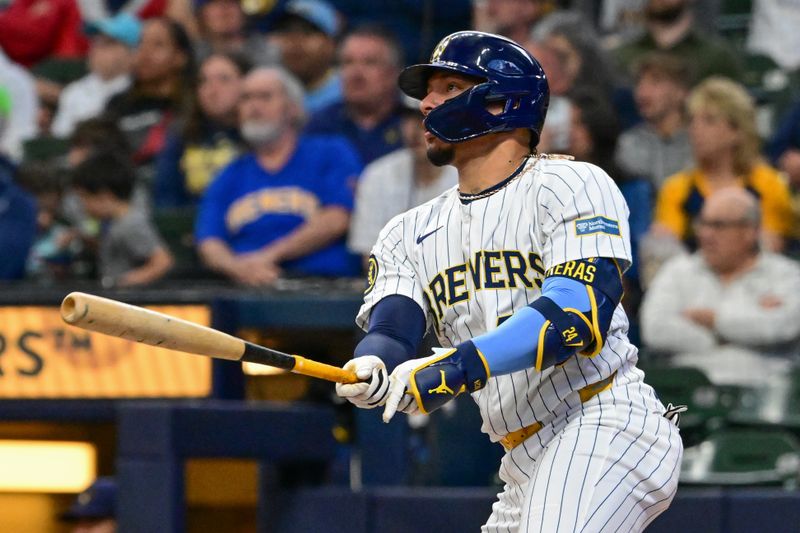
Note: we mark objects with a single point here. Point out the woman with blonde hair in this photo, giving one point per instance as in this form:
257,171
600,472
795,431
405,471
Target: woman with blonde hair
725,144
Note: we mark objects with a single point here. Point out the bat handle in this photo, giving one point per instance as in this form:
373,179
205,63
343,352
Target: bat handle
307,367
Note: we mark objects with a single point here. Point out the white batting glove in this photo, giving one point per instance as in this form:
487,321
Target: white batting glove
372,391
398,400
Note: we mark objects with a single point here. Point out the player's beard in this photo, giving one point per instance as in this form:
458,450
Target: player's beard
441,155
259,134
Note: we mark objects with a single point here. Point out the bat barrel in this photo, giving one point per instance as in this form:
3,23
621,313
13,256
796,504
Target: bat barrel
146,326
69,309
158,329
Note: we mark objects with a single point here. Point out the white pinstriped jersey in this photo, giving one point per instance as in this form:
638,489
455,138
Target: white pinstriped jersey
471,260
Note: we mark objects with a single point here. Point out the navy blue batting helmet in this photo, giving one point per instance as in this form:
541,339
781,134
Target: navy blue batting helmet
506,73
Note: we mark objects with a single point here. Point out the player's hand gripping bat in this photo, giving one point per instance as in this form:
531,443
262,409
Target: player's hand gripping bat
157,329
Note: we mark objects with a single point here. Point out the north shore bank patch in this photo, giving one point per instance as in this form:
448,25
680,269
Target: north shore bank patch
595,225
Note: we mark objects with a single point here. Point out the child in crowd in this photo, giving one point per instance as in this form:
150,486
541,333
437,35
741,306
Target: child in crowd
130,250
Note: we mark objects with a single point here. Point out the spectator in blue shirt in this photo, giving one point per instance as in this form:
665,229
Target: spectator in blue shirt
17,226
17,209
370,115
285,206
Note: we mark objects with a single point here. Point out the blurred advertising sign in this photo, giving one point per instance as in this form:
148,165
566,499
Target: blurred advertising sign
41,358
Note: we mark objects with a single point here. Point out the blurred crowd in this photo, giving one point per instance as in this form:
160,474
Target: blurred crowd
250,141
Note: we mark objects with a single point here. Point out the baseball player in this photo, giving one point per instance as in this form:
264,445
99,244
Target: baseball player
518,273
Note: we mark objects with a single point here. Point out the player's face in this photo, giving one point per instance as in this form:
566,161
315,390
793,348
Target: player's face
441,88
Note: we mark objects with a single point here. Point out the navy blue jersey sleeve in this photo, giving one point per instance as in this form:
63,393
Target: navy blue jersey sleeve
396,328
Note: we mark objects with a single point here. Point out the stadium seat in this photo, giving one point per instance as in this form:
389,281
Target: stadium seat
771,87
709,404
176,227
733,21
743,457
60,70
775,405
44,149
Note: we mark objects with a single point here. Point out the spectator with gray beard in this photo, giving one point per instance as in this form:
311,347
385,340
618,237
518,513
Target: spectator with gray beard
285,206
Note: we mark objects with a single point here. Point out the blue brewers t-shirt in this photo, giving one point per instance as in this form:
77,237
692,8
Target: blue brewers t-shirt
249,207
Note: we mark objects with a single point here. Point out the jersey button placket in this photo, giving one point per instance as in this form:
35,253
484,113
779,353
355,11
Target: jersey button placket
466,220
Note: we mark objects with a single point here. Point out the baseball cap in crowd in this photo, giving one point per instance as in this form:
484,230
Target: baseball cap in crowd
98,501
318,13
122,27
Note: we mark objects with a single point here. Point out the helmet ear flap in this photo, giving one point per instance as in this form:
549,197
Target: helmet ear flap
467,116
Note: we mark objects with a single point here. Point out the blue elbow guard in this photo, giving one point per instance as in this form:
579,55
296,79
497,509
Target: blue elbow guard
578,302
564,332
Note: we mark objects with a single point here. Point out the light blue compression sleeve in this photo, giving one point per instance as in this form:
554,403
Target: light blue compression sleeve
513,344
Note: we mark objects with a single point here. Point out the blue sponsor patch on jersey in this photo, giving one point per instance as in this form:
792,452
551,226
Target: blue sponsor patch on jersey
596,224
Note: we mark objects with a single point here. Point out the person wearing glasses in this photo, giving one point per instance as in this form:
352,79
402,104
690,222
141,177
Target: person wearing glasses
730,308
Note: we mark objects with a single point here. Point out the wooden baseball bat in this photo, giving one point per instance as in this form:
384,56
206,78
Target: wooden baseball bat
137,324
